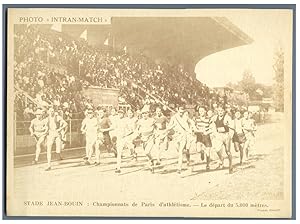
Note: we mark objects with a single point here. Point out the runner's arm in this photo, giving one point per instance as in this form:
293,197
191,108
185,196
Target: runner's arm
193,125
31,128
245,128
231,124
106,129
63,124
254,126
137,129
171,124
227,121
46,128
213,128
83,126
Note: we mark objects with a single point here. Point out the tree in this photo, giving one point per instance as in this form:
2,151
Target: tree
279,79
248,84
232,86
266,89
249,89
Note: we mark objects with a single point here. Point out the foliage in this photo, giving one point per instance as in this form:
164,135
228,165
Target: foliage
279,79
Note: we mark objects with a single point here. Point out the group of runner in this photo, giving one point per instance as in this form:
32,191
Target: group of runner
211,131
51,128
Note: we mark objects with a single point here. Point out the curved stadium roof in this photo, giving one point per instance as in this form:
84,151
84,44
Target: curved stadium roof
183,40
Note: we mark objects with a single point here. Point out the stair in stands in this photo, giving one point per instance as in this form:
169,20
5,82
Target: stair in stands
147,93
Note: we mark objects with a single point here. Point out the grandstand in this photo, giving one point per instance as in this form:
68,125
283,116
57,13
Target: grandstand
61,69
54,67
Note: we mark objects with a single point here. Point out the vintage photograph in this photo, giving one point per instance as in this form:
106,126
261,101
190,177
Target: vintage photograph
149,112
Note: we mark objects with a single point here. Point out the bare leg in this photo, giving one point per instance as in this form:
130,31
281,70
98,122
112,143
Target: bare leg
58,144
246,148
208,150
219,153
181,146
238,147
86,148
241,154
199,146
227,149
38,148
188,156
114,145
119,158
120,146
97,152
50,141
148,146
157,146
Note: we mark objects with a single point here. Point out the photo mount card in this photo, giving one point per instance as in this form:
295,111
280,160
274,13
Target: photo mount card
149,112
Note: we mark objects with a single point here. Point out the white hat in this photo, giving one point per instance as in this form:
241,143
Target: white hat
145,110
89,111
38,112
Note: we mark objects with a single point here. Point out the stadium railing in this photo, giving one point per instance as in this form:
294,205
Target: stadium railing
145,92
25,144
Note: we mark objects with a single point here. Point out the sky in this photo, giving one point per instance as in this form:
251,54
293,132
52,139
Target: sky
268,29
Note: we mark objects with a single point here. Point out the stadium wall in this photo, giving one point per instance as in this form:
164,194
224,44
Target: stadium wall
102,96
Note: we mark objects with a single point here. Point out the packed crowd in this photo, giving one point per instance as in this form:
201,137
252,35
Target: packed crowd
44,83
52,68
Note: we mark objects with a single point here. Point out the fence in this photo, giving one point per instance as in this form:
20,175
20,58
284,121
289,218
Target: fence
24,143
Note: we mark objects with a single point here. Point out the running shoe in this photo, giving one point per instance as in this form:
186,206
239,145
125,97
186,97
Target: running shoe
48,168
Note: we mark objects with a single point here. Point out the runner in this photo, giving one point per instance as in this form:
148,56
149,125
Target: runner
238,138
228,111
145,128
89,128
190,135
83,132
203,142
130,133
180,137
38,129
212,132
210,114
161,136
222,139
249,127
114,119
55,125
63,132
103,138
120,134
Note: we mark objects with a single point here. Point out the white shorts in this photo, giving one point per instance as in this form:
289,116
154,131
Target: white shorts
91,139
219,140
54,137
